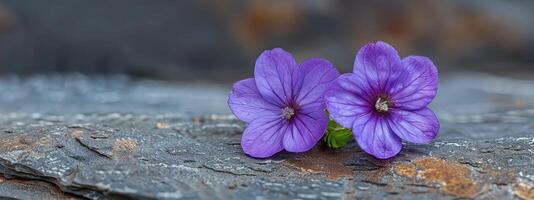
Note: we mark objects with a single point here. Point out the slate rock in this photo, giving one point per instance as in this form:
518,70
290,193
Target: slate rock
149,153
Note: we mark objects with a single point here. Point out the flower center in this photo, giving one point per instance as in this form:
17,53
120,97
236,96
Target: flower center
382,105
288,112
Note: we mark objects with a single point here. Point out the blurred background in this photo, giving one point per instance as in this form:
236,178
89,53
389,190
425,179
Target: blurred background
219,40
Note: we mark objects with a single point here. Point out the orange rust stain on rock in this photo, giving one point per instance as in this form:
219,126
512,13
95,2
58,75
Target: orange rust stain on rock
43,142
407,170
123,147
322,160
162,125
22,142
454,178
501,177
125,144
13,144
524,189
75,133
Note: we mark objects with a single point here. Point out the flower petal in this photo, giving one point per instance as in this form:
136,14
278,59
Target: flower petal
306,129
347,99
277,75
379,64
419,126
247,104
317,74
263,137
418,84
374,136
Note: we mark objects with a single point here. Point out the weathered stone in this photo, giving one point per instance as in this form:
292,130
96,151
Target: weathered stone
140,150
31,189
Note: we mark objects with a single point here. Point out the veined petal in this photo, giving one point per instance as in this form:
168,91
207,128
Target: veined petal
263,137
277,76
375,137
347,99
417,86
419,126
379,64
317,74
247,104
306,129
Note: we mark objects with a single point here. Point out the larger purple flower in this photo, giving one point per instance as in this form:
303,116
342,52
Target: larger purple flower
283,105
385,100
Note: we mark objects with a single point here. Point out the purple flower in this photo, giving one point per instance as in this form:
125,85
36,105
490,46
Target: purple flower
385,100
283,105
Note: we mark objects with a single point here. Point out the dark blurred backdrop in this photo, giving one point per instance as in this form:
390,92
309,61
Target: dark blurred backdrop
219,40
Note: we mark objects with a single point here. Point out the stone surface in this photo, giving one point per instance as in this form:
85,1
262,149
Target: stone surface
111,137
31,189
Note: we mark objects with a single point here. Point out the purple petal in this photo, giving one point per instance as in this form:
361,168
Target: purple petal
379,64
247,104
418,85
419,126
317,74
374,136
263,137
306,129
277,75
347,99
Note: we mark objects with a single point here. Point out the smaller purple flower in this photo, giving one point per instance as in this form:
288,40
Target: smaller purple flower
385,100
283,105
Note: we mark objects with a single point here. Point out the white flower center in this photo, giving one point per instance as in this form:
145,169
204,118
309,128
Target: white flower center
288,112
381,105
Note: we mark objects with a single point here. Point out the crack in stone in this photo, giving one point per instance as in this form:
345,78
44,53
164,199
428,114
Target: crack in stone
92,149
226,172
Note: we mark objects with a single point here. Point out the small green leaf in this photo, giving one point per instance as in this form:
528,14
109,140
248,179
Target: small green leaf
336,136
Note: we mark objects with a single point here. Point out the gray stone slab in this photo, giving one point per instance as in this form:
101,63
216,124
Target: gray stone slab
153,153
31,189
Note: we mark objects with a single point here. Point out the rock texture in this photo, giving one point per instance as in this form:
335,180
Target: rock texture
78,137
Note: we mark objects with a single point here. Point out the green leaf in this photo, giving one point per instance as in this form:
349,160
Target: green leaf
336,136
